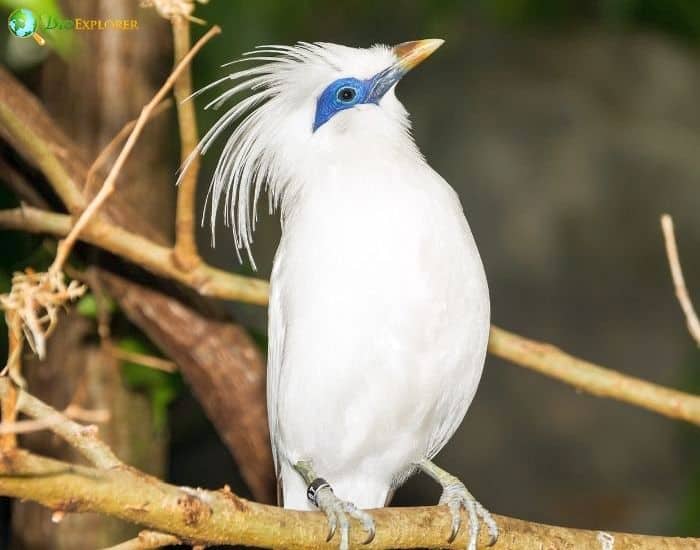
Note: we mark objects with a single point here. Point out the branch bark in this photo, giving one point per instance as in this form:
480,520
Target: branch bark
220,517
203,517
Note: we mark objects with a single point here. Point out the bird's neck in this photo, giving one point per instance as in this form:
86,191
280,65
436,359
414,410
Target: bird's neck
361,183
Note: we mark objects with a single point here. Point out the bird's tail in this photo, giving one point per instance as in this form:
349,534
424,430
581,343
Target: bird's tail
364,492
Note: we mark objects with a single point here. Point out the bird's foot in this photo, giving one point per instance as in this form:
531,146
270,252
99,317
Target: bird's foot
338,512
456,496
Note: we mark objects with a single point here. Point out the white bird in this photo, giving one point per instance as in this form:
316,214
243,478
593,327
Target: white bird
379,307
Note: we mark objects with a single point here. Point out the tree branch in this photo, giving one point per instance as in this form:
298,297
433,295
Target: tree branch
111,147
30,130
594,379
15,108
220,517
185,250
207,280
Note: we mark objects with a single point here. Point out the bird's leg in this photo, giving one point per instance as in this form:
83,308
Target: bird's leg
320,493
456,496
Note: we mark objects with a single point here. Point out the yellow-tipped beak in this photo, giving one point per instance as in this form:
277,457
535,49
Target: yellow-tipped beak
410,54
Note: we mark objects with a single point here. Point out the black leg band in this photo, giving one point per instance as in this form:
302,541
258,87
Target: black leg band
315,486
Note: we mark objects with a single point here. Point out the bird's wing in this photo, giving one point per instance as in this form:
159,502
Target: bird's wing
275,352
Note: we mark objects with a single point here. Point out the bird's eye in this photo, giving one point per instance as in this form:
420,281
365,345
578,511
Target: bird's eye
346,94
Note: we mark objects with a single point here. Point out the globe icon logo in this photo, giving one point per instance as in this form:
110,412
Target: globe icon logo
23,23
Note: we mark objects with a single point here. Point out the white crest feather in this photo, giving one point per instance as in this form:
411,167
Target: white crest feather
247,162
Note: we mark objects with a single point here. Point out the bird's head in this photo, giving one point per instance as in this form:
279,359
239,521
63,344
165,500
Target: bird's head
305,104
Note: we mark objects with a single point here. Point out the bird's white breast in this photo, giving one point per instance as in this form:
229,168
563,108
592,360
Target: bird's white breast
380,315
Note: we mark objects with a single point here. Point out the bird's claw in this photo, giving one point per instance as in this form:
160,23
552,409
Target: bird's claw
337,512
332,525
456,496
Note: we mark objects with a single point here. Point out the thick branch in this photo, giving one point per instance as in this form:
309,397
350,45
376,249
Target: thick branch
220,517
16,107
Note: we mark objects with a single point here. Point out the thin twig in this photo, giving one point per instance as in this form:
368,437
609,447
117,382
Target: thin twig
83,438
111,147
674,262
73,412
107,188
92,416
185,251
150,361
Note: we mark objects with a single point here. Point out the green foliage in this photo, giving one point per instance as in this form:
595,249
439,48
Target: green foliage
161,387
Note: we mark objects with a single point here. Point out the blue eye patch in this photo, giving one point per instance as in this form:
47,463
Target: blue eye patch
341,94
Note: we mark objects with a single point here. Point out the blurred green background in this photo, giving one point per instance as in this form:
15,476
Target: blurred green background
567,127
